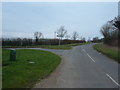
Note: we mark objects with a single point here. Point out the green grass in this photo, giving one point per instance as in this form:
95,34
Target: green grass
64,47
21,73
112,53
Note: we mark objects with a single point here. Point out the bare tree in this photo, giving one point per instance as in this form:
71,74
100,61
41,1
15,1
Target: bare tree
75,35
89,39
83,39
116,22
95,39
105,30
110,33
67,36
61,32
80,37
37,36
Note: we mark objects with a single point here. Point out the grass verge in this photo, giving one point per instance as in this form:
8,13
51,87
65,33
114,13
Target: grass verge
110,52
21,73
64,47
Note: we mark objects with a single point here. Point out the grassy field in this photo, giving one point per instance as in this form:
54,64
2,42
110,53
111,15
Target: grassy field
110,52
21,73
64,47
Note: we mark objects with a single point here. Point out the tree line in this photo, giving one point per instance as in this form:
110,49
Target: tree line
61,34
61,37
111,32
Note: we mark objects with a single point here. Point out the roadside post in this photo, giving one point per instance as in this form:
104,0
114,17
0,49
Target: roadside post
12,54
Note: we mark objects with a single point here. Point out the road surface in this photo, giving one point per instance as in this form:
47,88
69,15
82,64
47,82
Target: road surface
82,67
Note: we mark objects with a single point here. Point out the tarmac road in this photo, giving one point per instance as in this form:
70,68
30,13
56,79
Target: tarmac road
82,67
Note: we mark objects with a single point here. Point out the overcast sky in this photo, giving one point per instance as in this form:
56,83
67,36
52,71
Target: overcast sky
22,19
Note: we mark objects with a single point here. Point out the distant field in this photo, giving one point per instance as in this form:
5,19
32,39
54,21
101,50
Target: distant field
64,47
21,73
110,52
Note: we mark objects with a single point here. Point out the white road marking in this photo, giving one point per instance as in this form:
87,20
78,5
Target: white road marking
90,57
83,50
112,79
